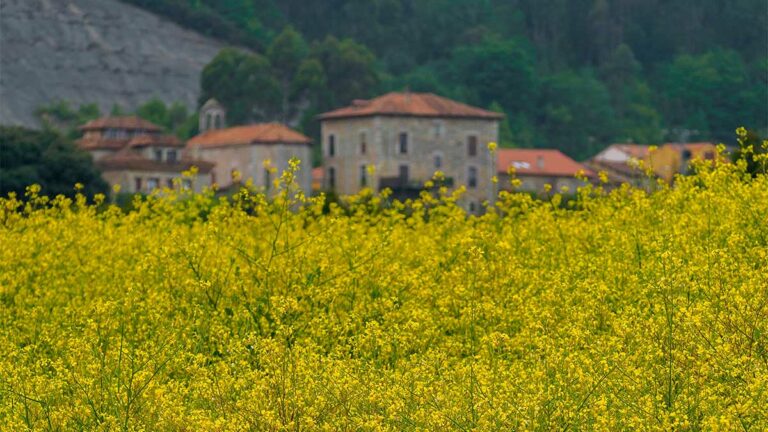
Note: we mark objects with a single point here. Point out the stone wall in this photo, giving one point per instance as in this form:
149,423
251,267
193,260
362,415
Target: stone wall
428,139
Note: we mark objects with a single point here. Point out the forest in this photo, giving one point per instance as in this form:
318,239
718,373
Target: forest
574,75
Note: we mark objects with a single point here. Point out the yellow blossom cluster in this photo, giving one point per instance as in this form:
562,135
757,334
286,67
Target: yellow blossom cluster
612,311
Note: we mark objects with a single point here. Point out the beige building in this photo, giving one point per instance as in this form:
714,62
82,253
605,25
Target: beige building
406,138
245,149
134,154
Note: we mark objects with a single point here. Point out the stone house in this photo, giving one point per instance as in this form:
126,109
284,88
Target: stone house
536,168
399,140
134,154
245,149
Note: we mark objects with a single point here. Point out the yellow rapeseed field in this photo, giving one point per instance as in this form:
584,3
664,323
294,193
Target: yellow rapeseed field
612,311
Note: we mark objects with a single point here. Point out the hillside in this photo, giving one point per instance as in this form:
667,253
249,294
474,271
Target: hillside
100,51
574,75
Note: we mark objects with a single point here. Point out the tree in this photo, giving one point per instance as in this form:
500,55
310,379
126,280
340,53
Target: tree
46,158
243,83
286,54
498,71
350,70
712,92
576,114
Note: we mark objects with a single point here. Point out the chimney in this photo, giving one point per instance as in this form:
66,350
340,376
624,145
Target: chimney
540,162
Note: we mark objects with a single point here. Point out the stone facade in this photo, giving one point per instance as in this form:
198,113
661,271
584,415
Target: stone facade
248,160
430,144
146,181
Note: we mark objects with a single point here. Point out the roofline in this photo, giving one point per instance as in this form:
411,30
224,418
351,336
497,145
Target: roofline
331,116
587,172
190,144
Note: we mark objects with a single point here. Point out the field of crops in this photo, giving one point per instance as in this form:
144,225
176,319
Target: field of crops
620,311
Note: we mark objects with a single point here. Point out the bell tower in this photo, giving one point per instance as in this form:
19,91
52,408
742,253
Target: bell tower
212,116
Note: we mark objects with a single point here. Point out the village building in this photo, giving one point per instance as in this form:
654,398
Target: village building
536,168
257,152
399,140
640,165
135,155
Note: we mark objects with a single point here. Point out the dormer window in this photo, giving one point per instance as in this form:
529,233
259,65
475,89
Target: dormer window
170,156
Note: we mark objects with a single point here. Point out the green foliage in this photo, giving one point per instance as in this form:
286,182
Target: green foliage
174,119
696,69
61,115
576,116
46,158
712,93
244,83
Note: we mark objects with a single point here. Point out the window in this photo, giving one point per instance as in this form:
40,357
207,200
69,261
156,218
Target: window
363,176
171,156
472,207
438,129
472,177
169,183
403,141
472,145
363,143
158,154
331,178
137,184
403,174
186,183
217,121
438,161
208,121
152,183
331,145
267,179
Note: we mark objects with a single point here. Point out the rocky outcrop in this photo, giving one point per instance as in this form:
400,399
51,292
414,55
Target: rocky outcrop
101,51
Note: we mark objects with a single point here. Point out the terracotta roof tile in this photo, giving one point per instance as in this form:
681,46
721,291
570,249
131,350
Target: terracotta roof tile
410,104
130,160
265,133
101,143
539,162
124,122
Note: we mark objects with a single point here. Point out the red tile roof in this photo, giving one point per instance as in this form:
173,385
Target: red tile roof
410,104
124,122
102,143
266,133
539,162
130,160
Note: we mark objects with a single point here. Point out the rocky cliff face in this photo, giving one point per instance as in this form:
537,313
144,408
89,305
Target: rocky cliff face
100,51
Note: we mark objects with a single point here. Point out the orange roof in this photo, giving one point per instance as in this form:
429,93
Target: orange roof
539,162
125,122
265,133
101,143
130,160
410,104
